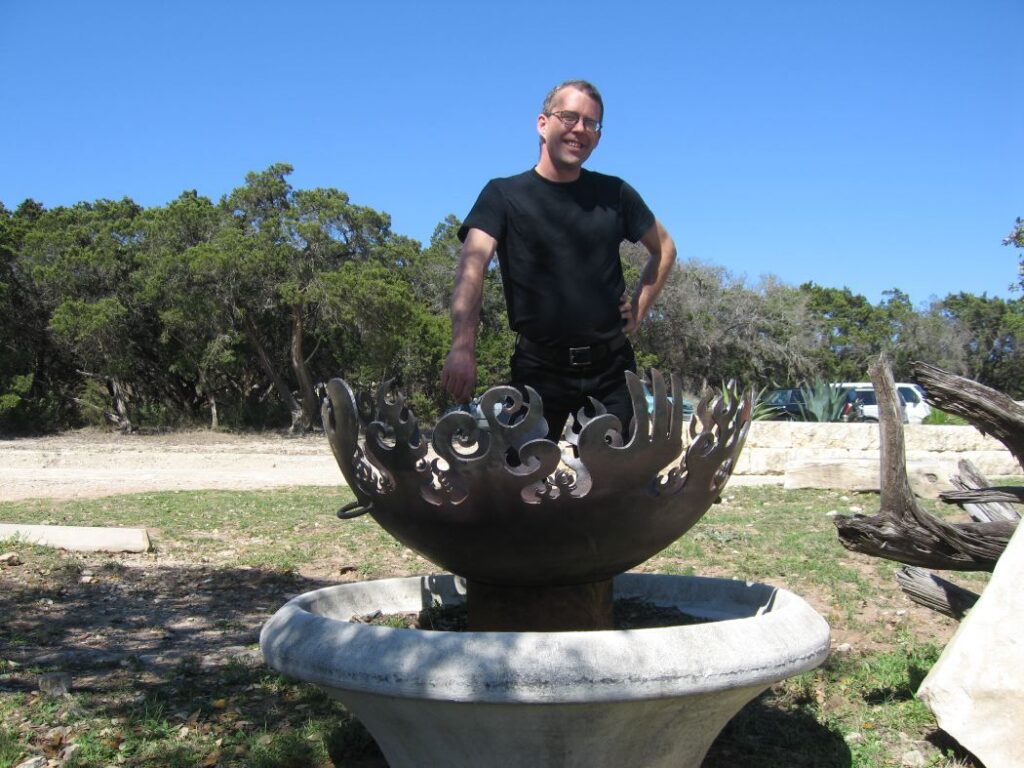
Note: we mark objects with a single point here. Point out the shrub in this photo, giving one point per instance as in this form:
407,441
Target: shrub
822,401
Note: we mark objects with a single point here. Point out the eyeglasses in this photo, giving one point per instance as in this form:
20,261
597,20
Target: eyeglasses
570,118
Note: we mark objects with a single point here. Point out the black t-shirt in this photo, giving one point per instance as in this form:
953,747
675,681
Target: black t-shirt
558,250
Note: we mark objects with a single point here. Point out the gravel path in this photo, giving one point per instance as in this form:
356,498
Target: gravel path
90,463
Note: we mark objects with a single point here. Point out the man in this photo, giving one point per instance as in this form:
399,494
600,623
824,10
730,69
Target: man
556,230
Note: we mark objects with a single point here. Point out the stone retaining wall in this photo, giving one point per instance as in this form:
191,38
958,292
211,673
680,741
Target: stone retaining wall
775,447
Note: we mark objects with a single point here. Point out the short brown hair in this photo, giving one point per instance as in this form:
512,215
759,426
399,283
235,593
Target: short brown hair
579,85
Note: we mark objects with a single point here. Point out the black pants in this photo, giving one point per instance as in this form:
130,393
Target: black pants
564,389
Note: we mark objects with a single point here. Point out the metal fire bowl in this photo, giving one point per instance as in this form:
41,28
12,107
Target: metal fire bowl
501,504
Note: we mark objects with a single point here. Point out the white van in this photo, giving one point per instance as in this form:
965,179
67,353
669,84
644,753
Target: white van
914,406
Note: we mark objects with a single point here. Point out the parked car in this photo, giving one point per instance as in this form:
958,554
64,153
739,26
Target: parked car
862,403
865,404
785,403
915,409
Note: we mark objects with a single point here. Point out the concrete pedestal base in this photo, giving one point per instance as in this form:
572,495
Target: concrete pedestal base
648,697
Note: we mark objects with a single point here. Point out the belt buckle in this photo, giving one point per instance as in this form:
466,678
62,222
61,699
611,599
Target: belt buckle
580,356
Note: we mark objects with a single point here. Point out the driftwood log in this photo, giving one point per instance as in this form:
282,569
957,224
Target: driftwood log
984,496
982,502
988,409
903,530
931,591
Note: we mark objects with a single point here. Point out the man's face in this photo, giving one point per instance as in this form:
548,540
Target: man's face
568,148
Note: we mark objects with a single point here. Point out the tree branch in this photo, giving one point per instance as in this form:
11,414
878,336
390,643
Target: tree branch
992,412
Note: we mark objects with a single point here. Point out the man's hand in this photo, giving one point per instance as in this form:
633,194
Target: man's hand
458,376
627,311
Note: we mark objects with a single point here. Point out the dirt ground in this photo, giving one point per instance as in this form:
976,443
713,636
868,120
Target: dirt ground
91,463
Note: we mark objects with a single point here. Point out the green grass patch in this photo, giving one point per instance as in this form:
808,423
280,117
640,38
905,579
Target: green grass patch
944,418
10,747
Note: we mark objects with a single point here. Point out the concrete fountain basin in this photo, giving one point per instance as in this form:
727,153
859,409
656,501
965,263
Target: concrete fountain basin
641,697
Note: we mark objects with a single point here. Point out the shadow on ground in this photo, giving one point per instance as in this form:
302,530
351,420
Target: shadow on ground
95,621
763,735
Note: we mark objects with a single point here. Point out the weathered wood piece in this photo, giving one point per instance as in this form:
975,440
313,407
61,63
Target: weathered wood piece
934,592
984,508
903,531
992,412
985,496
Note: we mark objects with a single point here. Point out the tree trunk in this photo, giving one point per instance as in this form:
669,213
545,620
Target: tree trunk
119,416
307,393
280,385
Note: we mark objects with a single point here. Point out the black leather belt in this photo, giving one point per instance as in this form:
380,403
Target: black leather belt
572,357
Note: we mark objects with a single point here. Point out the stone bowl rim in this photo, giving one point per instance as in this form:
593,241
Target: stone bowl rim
549,667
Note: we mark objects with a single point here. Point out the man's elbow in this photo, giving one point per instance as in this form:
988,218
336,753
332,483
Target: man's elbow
668,245
671,254
664,258
659,243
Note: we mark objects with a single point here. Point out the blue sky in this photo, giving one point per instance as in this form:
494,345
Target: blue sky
871,144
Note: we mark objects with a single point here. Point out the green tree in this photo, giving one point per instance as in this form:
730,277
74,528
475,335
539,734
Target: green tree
204,356
32,387
81,262
276,273
432,269
994,331
247,264
850,330
708,327
328,234
928,334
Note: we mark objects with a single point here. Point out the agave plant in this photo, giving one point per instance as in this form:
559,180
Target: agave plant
822,401
765,411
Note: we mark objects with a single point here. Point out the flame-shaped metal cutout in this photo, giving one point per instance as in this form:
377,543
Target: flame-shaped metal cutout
501,504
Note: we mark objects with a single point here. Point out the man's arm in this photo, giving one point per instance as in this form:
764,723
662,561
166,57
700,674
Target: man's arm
662,252
459,374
